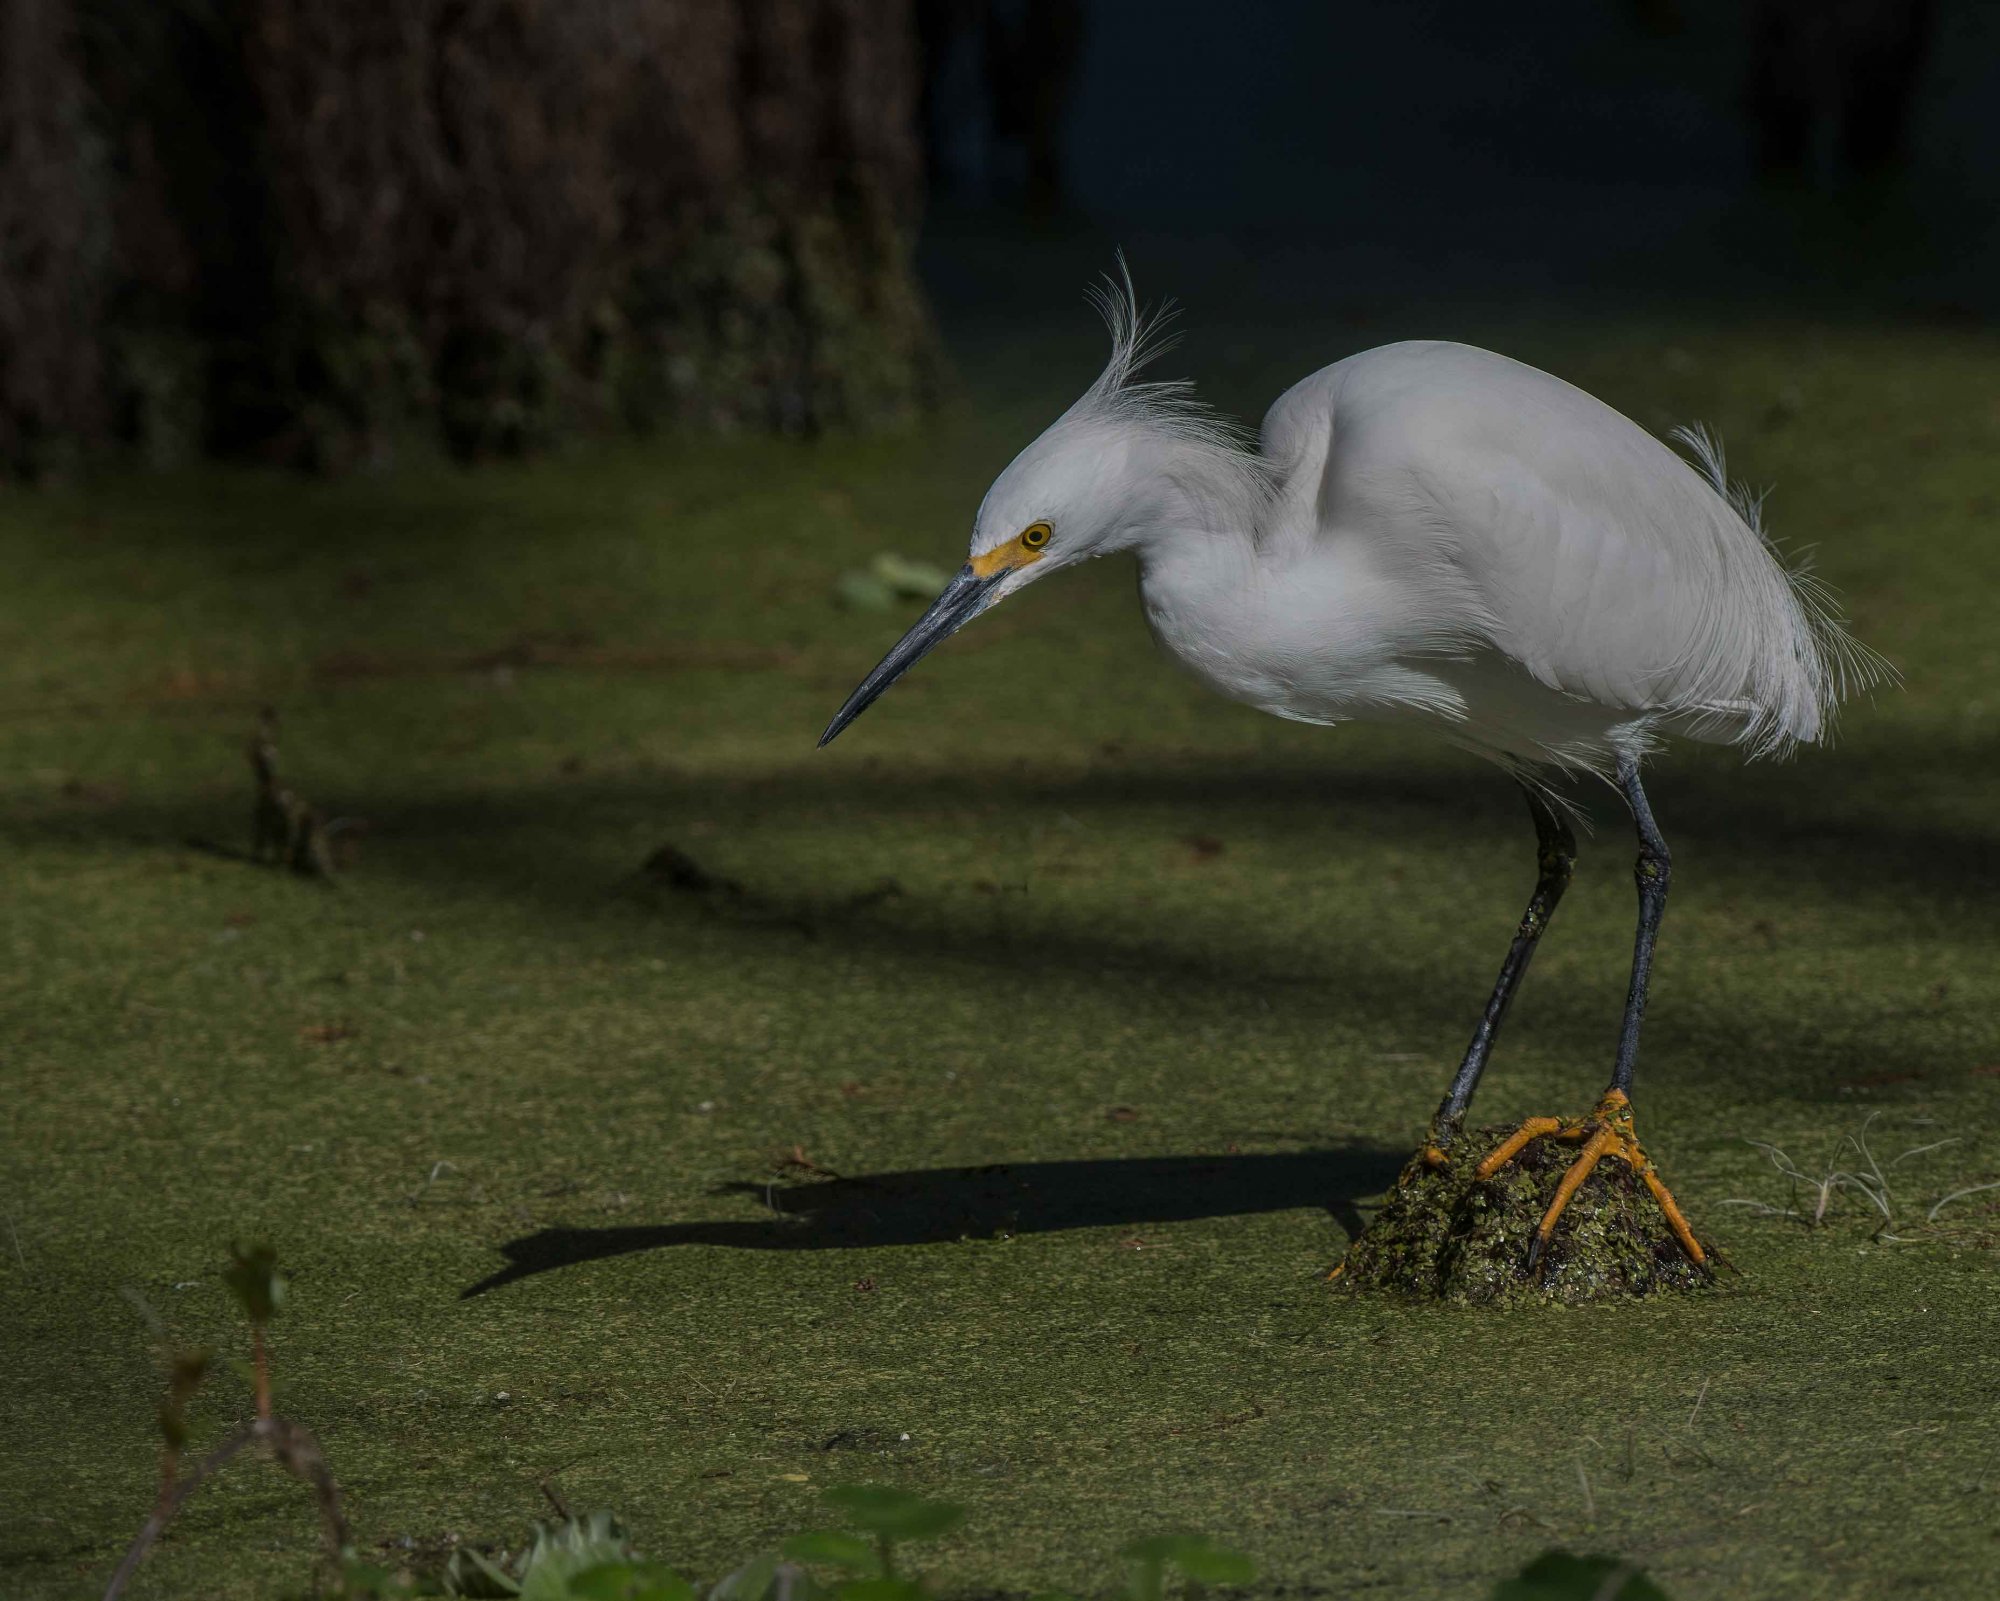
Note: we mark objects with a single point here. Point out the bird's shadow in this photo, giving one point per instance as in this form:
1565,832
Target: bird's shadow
929,1206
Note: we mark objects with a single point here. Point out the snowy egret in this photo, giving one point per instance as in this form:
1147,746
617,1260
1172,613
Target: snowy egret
1432,535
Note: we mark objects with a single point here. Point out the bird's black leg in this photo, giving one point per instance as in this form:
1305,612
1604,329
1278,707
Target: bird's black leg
1609,1130
1654,871
1556,856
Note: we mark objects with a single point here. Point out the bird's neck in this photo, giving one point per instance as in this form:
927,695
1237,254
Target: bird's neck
1199,496
1198,558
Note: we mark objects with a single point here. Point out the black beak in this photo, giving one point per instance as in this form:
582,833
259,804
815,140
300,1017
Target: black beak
964,598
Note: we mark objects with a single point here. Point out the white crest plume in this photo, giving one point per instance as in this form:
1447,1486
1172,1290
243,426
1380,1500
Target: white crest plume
1166,407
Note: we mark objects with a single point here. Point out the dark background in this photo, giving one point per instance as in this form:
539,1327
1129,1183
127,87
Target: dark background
317,234
1833,156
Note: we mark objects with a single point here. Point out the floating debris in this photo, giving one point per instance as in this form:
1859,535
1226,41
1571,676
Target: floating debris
888,580
285,831
671,868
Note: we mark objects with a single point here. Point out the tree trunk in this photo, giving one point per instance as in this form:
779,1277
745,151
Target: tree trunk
51,253
332,224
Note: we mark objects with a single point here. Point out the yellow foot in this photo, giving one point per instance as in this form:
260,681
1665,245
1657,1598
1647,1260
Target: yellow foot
1607,1131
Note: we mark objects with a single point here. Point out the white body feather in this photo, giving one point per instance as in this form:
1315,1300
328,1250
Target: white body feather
1433,534
1461,540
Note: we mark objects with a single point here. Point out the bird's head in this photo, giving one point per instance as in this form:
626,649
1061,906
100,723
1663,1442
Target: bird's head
1092,483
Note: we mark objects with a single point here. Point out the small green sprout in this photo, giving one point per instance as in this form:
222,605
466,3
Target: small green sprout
253,1278
186,1370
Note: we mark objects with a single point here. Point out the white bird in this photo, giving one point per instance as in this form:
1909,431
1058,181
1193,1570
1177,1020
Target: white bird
1434,536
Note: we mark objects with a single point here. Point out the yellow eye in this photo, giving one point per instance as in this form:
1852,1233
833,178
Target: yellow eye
1035,535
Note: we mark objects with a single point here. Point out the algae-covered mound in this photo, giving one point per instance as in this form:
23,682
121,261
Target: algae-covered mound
1446,1234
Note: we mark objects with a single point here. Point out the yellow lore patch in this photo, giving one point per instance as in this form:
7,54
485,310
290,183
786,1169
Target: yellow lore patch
1023,548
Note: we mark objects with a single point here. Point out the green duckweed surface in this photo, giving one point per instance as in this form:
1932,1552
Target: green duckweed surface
1115,1007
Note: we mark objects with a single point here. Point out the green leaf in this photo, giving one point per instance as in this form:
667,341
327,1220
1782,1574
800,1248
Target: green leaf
253,1278
630,1581
751,1582
240,1366
863,591
1145,1579
894,1514
1214,1564
910,580
1559,1576
831,1546
880,1589
658,1582
363,1581
185,1372
607,1581
1198,1558
470,1574
563,1550
888,581
548,1581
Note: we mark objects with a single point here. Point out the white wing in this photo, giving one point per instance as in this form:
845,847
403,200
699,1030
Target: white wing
1547,526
